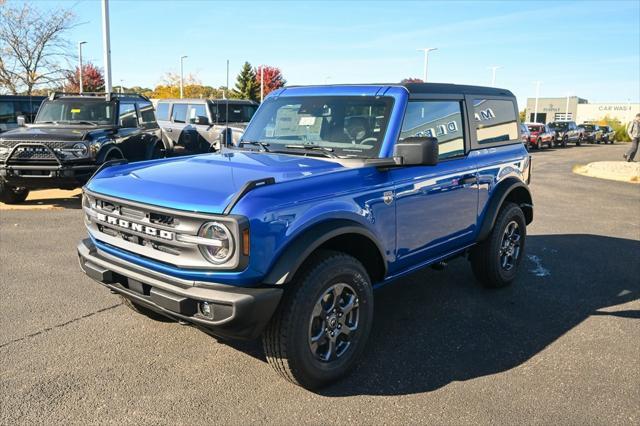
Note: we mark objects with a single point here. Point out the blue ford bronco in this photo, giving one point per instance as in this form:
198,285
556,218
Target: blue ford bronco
332,192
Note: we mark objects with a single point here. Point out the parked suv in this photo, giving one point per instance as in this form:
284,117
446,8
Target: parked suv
540,134
13,107
567,131
332,191
195,126
72,135
608,134
592,132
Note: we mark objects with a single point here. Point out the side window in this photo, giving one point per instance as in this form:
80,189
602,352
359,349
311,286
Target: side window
496,121
127,115
198,110
7,112
162,111
179,114
439,119
146,113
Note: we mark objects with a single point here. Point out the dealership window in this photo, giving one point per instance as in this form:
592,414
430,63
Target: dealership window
438,119
162,111
561,116
496,120
179,114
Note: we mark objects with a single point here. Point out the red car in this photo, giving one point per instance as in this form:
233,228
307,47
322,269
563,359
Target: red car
540,135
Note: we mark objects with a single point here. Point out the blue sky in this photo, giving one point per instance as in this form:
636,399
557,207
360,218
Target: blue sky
588,48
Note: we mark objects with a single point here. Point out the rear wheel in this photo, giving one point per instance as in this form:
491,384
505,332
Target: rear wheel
496,260
323,322
12,194
579,141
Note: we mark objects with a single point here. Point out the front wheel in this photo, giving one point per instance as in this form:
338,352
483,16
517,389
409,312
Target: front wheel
12,194
564,142
323,322
496,260
579,141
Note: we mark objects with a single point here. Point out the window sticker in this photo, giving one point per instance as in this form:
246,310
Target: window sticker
307,121
75,110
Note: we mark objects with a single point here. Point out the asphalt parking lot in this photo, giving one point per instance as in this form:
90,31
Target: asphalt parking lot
560,346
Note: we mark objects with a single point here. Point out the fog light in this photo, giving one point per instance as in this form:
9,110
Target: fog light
206,309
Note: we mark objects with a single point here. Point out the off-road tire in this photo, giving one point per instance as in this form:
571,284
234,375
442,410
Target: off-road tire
485,257
144,310
12,195
286,338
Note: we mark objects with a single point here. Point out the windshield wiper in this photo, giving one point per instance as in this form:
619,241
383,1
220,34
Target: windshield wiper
328,152
262,145
93,123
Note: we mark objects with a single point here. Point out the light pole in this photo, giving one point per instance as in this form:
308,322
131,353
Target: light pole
566,107
80,43
426,51
493,74
181,76
121,86
106,45
535,109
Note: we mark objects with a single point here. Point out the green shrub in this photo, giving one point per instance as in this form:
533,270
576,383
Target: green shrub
618,127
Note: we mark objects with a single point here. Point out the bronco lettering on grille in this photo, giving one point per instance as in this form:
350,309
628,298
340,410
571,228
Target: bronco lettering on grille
121,223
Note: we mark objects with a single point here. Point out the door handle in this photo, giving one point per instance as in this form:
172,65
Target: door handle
469,180
169,130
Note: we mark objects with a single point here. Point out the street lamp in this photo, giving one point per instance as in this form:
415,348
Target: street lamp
181,76
566,107
106,46
121,86
80,43
426,51
535,109
261,83
493,74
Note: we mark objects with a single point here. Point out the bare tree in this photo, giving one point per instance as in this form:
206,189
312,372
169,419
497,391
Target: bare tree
32,47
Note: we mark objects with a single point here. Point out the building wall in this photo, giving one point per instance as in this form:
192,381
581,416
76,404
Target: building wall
553,109
622,111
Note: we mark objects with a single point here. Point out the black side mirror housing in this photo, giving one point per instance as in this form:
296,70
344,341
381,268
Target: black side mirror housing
21,120
417,151
201,119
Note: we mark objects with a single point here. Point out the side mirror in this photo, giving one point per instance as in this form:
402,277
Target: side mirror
417,151
21,120
201,119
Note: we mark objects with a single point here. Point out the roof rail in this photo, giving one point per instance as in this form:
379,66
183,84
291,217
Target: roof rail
106,95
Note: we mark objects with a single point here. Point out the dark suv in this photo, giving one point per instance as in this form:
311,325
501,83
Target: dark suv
72,135
196,126
567,131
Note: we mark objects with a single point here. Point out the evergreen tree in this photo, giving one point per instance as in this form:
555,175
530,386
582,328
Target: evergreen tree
246,87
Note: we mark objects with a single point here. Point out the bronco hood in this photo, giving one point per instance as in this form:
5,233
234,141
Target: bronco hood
37,134
201,183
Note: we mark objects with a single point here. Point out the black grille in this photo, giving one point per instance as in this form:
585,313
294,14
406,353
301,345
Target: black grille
33,150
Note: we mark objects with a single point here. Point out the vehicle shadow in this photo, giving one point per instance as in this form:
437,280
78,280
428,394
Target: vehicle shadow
434,328
72,201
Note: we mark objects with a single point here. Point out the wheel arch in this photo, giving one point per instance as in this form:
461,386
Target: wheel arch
341,235
106,150
510,190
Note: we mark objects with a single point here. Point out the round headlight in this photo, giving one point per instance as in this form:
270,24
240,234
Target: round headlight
80,150
222,246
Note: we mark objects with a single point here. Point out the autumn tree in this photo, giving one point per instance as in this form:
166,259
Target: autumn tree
411,80
32,47
273,79
169,87
92,79
246,87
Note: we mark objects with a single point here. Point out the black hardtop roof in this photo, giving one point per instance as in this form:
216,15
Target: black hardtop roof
21,97
131,97
198,100
446,88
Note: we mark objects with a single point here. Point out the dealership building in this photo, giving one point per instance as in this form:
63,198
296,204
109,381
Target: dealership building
579,110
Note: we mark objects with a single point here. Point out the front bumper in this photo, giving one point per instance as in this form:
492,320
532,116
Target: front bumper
35,176
238,312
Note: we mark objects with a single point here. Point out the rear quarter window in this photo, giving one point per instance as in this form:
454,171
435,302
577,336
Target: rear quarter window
496,121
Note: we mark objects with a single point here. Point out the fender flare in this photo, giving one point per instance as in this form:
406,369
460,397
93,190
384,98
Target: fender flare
303,245
498,197
106,150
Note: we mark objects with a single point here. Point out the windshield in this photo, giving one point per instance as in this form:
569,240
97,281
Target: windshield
76,112
237,113
346,126
559,125
588,127
535,128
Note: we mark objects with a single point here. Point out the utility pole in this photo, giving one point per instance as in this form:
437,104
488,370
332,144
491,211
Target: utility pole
80,43
535,109
106,45
181,76
493,74
426,51
261,83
